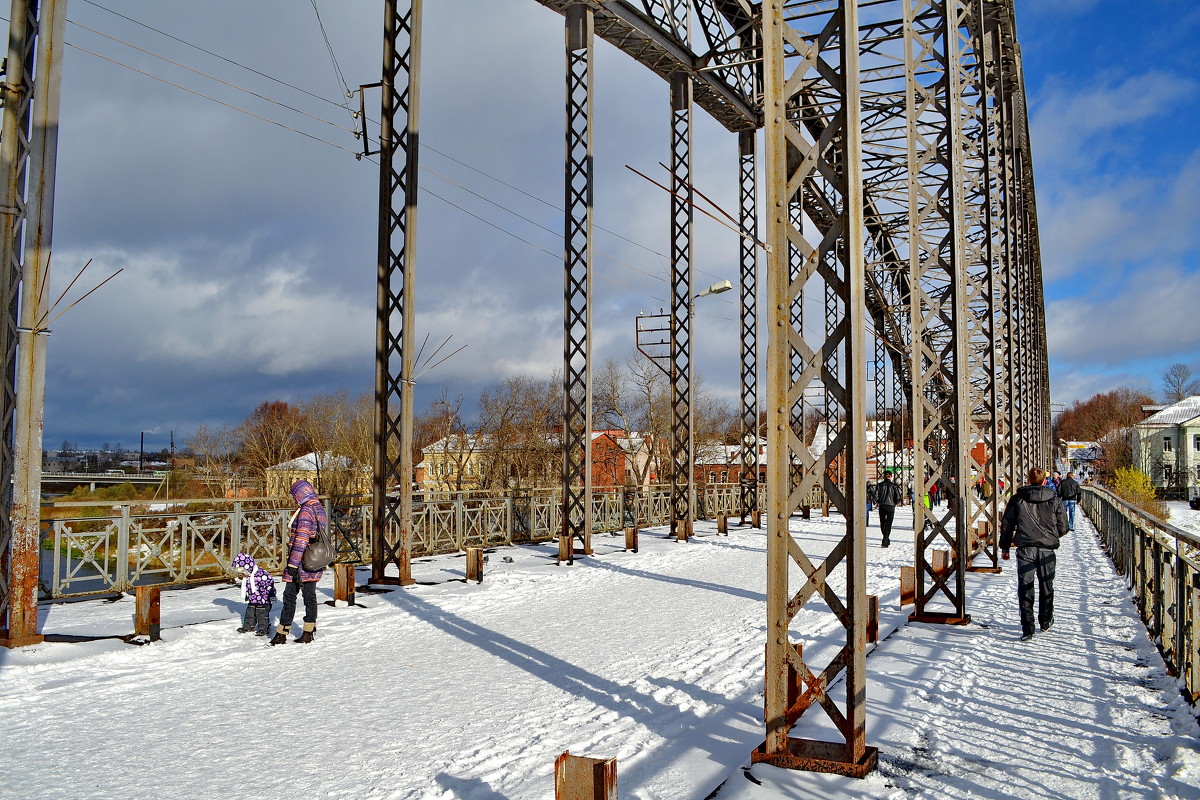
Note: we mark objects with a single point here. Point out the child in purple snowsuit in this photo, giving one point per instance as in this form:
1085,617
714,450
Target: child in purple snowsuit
258,590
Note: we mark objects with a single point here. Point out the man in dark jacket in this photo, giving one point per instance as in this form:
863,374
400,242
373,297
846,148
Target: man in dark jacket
1036,519
1068,492
887,497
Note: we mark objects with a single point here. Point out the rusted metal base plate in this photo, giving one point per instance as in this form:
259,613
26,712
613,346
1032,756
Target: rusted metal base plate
19,641
988,570
390,581
816,756
939,619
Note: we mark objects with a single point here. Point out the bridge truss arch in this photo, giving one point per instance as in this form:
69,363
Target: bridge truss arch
899,253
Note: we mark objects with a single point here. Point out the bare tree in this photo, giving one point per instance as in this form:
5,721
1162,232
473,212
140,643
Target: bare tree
272,434
1178,383
440,432
215,451
520,423
338,429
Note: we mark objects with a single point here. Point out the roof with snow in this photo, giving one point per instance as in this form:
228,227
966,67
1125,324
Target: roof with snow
314,461
1180,413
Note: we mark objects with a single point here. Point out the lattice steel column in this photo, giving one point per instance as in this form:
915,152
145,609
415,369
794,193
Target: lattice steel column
18,553
995,84
394,338
747,173
938,303
813,145
978,483
681,302
577,325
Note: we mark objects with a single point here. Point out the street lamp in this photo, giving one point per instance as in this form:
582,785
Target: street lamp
720,287
657,339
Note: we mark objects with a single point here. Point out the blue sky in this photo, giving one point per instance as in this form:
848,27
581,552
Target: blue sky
249,246
1114,101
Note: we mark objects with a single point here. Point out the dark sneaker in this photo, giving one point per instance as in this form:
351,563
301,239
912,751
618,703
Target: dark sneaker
245,630
261,633
1025,637
1047,626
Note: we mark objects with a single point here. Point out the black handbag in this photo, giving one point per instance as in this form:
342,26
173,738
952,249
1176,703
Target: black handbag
319,553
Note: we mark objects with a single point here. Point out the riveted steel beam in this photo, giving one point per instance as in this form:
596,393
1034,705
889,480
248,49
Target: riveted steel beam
748,250
396,286
577,323
682,447
813,147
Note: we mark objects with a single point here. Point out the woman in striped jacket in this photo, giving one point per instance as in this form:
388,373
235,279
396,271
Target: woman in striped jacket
305,522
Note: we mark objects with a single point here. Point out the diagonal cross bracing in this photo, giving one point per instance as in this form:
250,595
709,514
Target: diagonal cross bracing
577,390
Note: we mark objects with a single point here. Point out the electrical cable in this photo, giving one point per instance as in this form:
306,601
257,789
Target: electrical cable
356,154
355,131
213,99
214,55
210,77
337,68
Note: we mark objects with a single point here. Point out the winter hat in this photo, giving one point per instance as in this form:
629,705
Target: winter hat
244,561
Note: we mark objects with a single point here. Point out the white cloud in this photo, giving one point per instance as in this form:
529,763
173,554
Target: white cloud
1155,316
1069,122
1132,219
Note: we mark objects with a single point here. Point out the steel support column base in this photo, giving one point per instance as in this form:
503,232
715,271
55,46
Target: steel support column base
986,570
389,581
815,756
939,619
19,641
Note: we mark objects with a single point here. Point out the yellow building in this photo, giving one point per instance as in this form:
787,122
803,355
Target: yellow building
329,473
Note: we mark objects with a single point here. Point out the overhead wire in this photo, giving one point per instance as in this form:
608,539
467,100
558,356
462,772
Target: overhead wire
337,68
213,99
355,132
203,74
214,55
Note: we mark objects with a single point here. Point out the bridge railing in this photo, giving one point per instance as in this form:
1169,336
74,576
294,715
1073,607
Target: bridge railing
1161,565
194,541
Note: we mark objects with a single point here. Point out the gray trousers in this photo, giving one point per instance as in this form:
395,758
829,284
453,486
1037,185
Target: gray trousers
257,616
1035,562
307,590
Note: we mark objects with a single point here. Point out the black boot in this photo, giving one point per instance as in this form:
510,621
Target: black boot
307,636
280,636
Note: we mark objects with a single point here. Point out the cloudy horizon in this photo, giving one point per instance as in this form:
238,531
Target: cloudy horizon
249,246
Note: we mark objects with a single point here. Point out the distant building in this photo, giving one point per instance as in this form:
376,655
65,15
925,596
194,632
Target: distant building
1084,459
1166,446
329,473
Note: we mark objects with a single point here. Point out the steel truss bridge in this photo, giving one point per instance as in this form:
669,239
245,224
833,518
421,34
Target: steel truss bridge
897,228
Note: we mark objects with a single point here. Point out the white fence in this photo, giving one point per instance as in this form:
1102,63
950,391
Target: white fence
134,545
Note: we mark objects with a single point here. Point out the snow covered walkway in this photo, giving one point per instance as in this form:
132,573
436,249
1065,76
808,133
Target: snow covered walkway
451,690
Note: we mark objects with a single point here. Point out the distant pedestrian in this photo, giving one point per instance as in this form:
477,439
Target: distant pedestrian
870,500
1068,492
935,493
1036,520
258,592
887,496
307,520
1052,481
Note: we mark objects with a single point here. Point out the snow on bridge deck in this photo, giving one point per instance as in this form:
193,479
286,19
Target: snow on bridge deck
469,691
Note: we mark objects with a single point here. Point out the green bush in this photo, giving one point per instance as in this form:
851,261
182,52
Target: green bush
1134,487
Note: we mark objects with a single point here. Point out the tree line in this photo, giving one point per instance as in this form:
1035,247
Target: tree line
513,441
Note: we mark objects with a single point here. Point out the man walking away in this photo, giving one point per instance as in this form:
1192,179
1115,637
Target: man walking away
1068,492
887,497
1036,519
